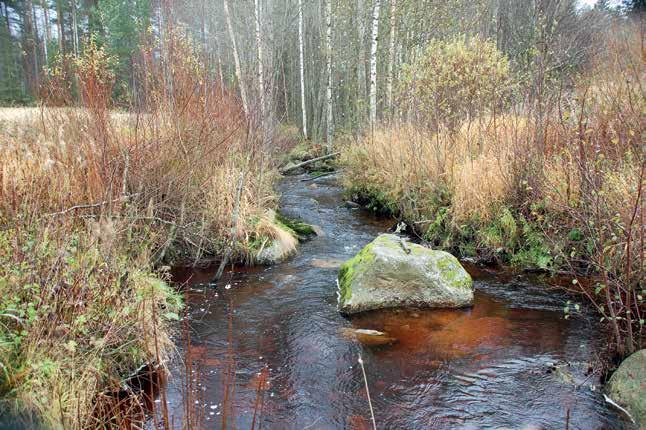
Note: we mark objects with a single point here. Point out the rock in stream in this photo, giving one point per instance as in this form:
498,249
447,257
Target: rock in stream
627,386
389,272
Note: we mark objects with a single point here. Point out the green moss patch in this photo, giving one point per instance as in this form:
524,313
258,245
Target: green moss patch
299,229
349,269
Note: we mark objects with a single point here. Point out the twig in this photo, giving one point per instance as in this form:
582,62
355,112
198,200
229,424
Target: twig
90,206
609,400
309,426
365,379
305,163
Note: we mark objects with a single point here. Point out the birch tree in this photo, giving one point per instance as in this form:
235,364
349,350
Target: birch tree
236,58
328,62
373,63
261,76
47,28
391,54
301,55
361,69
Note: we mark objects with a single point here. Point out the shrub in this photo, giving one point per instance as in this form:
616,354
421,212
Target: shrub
455,80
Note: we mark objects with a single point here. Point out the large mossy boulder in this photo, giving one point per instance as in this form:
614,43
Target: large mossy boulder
389,272
627,386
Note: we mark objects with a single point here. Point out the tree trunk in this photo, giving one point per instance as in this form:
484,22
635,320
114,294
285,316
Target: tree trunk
302,65
328,61
236,58
48,30
30,60
35,38
61,27
373,63
261,73
391,54
203,30
218,58
75,30
361,68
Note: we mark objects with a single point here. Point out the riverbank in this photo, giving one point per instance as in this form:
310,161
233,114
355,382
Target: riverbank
94,208
557,190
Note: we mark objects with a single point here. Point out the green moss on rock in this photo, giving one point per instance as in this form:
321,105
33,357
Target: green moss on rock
298,228
627,386
348,270
391,273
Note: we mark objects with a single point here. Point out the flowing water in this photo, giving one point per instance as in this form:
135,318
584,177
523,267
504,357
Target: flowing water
491,366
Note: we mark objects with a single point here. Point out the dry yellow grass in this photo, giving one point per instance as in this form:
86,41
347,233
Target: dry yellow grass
92,204
475,164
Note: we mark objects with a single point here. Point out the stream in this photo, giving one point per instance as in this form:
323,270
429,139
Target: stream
491,366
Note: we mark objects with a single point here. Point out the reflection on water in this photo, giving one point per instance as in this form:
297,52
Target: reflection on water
271,350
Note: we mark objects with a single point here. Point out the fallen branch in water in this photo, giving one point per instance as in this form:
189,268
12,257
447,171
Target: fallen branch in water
305,163
609,400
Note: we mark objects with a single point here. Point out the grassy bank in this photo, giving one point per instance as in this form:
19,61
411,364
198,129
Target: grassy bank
501,174
95,205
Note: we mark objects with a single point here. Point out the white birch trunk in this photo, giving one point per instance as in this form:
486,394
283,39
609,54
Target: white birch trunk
391,54
302,65
48,30
373,63
236,58
328,61
361,69
261,73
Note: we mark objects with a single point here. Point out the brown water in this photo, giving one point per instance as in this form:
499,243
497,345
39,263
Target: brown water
485,367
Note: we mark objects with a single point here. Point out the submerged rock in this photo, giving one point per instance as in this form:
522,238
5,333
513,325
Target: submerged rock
326,264
389,272
368,337
627,386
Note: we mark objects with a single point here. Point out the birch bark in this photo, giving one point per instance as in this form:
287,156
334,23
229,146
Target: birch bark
373,63
261,72
391,54
301,55
328,61
236,59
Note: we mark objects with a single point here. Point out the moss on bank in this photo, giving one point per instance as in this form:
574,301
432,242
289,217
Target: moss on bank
512,237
